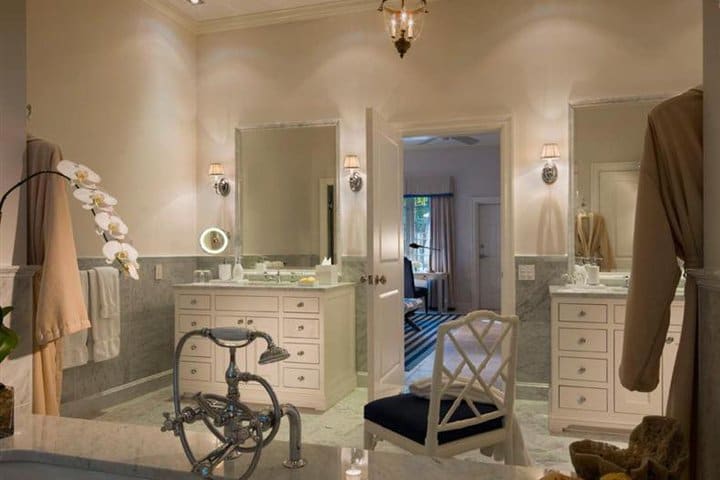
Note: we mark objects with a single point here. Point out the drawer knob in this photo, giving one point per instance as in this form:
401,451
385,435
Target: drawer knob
581,399
193,302
193,371
582,341
194,324
301,328
250,322
301,378
582,313
300,353
669,340
582,370
193,347
300,304
240,322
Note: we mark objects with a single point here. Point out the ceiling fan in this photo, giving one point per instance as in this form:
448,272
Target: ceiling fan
464,139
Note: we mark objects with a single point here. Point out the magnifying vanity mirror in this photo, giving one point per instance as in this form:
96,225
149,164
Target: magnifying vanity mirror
286,195
214,241
606,145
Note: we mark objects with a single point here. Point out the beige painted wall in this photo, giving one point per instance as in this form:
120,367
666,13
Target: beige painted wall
281,169
527,59
712,137
113,83
12,128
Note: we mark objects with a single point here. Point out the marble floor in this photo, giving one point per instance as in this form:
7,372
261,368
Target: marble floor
342,425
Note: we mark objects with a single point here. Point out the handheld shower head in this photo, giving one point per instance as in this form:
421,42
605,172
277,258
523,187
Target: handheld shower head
273,354
231,336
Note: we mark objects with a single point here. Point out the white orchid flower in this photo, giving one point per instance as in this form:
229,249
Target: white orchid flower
111,224
125,254
95,199
78,174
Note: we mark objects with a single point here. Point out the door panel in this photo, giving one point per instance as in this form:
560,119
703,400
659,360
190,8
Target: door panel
488,237
641,403
386,373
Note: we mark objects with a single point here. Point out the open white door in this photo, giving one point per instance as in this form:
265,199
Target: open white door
386,348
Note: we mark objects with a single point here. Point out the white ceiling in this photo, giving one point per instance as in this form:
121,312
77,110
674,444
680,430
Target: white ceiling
219,9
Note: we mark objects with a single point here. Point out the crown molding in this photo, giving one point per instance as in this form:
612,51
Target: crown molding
286,15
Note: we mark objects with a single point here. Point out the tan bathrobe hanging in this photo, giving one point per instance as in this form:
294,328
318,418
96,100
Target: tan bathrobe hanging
593,241
59,305
668,225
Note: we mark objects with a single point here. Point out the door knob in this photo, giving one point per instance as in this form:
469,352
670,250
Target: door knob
367,279
380,279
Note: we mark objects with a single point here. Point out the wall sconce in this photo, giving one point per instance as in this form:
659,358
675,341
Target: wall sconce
352,162
220,183
550,153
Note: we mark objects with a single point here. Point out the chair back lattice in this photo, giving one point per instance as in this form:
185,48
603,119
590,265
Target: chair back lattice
475,361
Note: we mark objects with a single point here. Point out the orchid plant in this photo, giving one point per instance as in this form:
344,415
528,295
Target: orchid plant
109,226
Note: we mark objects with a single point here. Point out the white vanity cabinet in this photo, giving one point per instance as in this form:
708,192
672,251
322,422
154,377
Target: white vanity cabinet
587,341
316,325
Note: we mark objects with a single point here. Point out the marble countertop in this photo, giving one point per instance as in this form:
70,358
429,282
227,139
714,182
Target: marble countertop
263,286
599,291
144,452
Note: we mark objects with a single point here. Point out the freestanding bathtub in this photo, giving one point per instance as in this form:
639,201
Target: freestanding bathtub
65,448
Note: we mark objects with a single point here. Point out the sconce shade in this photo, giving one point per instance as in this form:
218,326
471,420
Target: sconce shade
216,169
352,162
550,151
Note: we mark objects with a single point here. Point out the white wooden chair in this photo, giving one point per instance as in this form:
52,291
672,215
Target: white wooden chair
447,427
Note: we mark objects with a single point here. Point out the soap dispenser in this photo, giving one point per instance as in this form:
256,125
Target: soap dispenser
238,271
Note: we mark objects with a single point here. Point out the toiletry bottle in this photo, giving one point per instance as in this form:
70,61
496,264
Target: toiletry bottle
238,271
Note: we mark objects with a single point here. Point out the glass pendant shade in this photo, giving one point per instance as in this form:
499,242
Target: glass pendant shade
404,21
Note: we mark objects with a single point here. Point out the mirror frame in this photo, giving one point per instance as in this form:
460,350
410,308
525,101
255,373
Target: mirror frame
238,237
571,157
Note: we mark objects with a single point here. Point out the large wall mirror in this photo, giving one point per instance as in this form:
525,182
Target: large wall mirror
286,196
607,141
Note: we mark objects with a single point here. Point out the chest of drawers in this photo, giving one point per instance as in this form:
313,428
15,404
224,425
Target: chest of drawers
587,340
316,326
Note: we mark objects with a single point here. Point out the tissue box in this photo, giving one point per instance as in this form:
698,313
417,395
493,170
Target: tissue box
326,274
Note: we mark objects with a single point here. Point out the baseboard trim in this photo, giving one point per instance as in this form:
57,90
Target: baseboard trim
92,406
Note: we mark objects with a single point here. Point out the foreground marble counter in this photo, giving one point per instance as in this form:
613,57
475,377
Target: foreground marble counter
261,286
148,453
599,291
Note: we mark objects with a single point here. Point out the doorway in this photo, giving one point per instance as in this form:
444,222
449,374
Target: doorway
487,269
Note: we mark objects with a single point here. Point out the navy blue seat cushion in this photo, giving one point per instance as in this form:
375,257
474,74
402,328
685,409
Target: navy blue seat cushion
407,415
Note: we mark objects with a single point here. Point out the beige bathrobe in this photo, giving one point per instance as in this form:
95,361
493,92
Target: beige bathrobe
59,305
668,225
592,239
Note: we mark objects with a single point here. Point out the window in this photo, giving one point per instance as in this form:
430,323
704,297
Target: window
416,222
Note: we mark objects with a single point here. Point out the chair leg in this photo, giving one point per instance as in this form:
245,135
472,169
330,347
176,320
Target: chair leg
370,441
426,303
412,323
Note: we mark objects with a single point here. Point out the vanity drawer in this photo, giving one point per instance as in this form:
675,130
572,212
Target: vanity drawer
301,328
193,302
303,353
229,321
582,340
677,311
301,304
582,398
301,378
187,323
583,369
585,313
197,372
246,303
196,347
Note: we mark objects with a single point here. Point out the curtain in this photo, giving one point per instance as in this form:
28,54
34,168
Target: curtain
442,242
59,305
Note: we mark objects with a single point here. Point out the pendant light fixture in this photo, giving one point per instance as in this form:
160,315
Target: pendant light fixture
403,21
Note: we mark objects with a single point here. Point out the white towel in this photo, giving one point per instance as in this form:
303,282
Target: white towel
75,350
105,312
513,451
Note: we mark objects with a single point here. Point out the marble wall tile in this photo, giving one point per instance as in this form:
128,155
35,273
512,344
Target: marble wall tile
533,308
16,371
352,269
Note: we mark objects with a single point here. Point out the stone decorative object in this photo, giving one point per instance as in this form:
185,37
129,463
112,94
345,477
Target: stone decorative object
657,451
7,410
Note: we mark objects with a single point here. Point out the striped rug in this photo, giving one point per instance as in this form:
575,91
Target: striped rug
418,345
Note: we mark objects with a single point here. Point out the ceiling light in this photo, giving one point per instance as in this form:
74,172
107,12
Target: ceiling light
404,21
196,2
